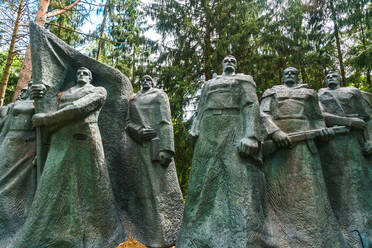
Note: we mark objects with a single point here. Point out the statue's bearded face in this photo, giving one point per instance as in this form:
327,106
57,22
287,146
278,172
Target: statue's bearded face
333,80
24,94
229,64
146,82
84,76
290,76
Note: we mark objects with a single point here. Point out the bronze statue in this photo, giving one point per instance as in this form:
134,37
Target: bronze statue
17,170
153,202
348,172
299,211
223,203
73,205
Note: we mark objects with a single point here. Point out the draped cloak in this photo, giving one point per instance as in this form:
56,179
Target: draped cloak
152,198
223,204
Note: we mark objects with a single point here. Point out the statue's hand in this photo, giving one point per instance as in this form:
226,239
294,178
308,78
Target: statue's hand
358,123
39,119
281,139
367,149
37,91
326,134
247,147
147,134
165,158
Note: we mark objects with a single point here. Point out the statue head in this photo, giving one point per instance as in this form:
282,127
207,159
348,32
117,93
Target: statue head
333,80
83,76
290,77
229,65
25,92
147,82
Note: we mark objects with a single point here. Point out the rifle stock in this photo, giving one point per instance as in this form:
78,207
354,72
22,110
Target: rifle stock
270,146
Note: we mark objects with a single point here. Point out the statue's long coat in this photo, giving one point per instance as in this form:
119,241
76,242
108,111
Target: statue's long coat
151,196
74,204
348,172
223,203
17,171
299,211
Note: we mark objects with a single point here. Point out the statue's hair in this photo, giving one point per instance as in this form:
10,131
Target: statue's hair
295,69
86,69
148,76
228,56
333,71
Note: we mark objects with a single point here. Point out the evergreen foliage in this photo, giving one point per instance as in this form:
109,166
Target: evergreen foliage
265,36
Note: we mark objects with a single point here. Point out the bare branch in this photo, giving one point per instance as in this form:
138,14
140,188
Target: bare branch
64,10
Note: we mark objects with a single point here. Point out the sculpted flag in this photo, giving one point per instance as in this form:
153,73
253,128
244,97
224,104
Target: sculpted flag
54,63
73,204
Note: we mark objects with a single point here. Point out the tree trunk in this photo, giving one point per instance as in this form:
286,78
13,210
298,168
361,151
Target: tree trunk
4,80
102,29
41,16
338,44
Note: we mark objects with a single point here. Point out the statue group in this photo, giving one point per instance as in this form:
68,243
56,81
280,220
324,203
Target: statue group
308,185
87,163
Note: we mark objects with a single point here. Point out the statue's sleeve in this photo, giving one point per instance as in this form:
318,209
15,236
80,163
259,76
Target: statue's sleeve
195,128
329,118
315,117
80,108
266,113
365,106
333,120
251,110
133,128
165,124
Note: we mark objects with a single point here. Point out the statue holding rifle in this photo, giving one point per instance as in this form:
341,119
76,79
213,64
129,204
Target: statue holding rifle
345,160
299,211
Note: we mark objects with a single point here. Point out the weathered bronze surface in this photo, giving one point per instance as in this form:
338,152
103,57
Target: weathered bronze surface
152,198
223,204
311,189
299,211
17,171
73,205
347,167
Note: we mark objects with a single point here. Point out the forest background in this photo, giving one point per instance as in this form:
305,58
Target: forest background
181,43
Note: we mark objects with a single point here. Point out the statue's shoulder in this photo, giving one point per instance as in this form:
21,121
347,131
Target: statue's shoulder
158,92
100,89
272,91
95,89
245,78
307,89
303,86
322,91
351,89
